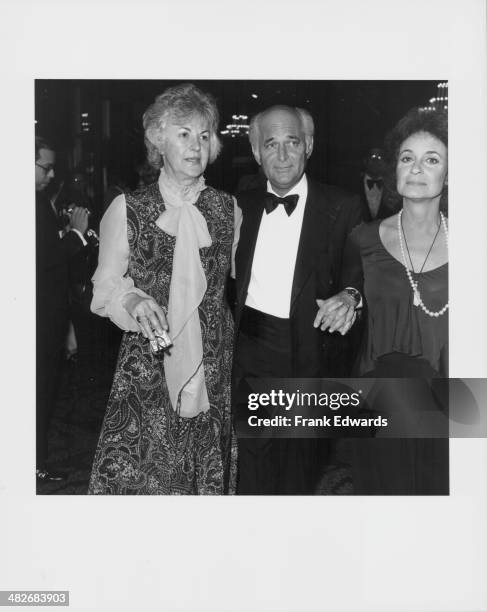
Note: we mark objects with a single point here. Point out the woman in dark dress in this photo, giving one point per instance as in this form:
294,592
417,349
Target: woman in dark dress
404,261
405,266
165,254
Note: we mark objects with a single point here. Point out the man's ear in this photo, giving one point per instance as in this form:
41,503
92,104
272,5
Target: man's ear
256,152
309,141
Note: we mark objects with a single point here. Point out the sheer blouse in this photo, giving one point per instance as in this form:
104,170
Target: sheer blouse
394,324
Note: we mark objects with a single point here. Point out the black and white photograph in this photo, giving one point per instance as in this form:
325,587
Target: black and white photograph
310,291
244,291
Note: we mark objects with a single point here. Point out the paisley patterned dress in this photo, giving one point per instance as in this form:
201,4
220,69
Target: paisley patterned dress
145,447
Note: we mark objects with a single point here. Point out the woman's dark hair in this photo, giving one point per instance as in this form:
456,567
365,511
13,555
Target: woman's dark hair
434,122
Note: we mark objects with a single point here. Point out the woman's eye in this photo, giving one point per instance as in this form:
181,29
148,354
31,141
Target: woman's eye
432,160
183,134
405,159
205,137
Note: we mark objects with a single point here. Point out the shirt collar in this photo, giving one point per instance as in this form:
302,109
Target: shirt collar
367,177
301,188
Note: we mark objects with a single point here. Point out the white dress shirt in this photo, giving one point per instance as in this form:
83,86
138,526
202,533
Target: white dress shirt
276,249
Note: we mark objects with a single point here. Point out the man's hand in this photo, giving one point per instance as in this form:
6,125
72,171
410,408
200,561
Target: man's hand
148,314
336,313
79,219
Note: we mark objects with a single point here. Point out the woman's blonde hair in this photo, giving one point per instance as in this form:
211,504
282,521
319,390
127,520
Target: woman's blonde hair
181,102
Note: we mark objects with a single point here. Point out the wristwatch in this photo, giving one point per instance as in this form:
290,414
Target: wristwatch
354,294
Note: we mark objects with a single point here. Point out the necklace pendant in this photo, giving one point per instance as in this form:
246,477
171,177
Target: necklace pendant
416,298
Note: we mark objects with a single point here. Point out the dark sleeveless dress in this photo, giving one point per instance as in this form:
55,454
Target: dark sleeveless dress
144,446
401,341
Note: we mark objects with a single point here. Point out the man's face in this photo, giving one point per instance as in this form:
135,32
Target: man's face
374,163
44,168
282,150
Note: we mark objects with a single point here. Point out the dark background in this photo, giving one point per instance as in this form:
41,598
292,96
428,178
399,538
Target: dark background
350,117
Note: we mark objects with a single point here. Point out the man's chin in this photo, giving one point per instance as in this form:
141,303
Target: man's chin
282,185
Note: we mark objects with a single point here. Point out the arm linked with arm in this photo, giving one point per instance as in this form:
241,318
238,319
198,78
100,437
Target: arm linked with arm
351,269
237,224
338,312
231,282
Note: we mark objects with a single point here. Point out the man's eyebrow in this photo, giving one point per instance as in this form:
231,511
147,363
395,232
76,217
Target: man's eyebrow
288,136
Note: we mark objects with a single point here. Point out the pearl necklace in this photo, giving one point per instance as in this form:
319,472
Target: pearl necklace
417,301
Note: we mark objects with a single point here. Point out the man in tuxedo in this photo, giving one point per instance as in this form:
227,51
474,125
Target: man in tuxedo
371,186
55,252
288,261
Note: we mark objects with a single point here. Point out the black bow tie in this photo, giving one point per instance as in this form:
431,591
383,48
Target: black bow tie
372,182
289,202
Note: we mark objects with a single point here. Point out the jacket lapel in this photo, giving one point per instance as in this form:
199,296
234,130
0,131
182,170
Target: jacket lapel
317,221
248,239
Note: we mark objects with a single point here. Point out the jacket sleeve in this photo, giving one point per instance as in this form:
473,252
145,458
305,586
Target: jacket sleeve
352,270
347,268
72,244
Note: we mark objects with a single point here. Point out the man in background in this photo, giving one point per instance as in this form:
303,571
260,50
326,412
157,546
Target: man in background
371,188
55,252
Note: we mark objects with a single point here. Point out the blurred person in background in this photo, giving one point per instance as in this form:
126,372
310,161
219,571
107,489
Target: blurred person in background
371,188
56,251
75,193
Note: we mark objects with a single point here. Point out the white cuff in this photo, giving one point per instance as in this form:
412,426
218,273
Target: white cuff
108,296
81,237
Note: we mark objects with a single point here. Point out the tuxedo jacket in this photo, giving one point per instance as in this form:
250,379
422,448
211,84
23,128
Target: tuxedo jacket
329,216
385,207
55,258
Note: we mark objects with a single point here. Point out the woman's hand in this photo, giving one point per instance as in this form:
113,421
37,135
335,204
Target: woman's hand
148,314
336,313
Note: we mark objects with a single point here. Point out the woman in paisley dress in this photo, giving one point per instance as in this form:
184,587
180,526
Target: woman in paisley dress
165,253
